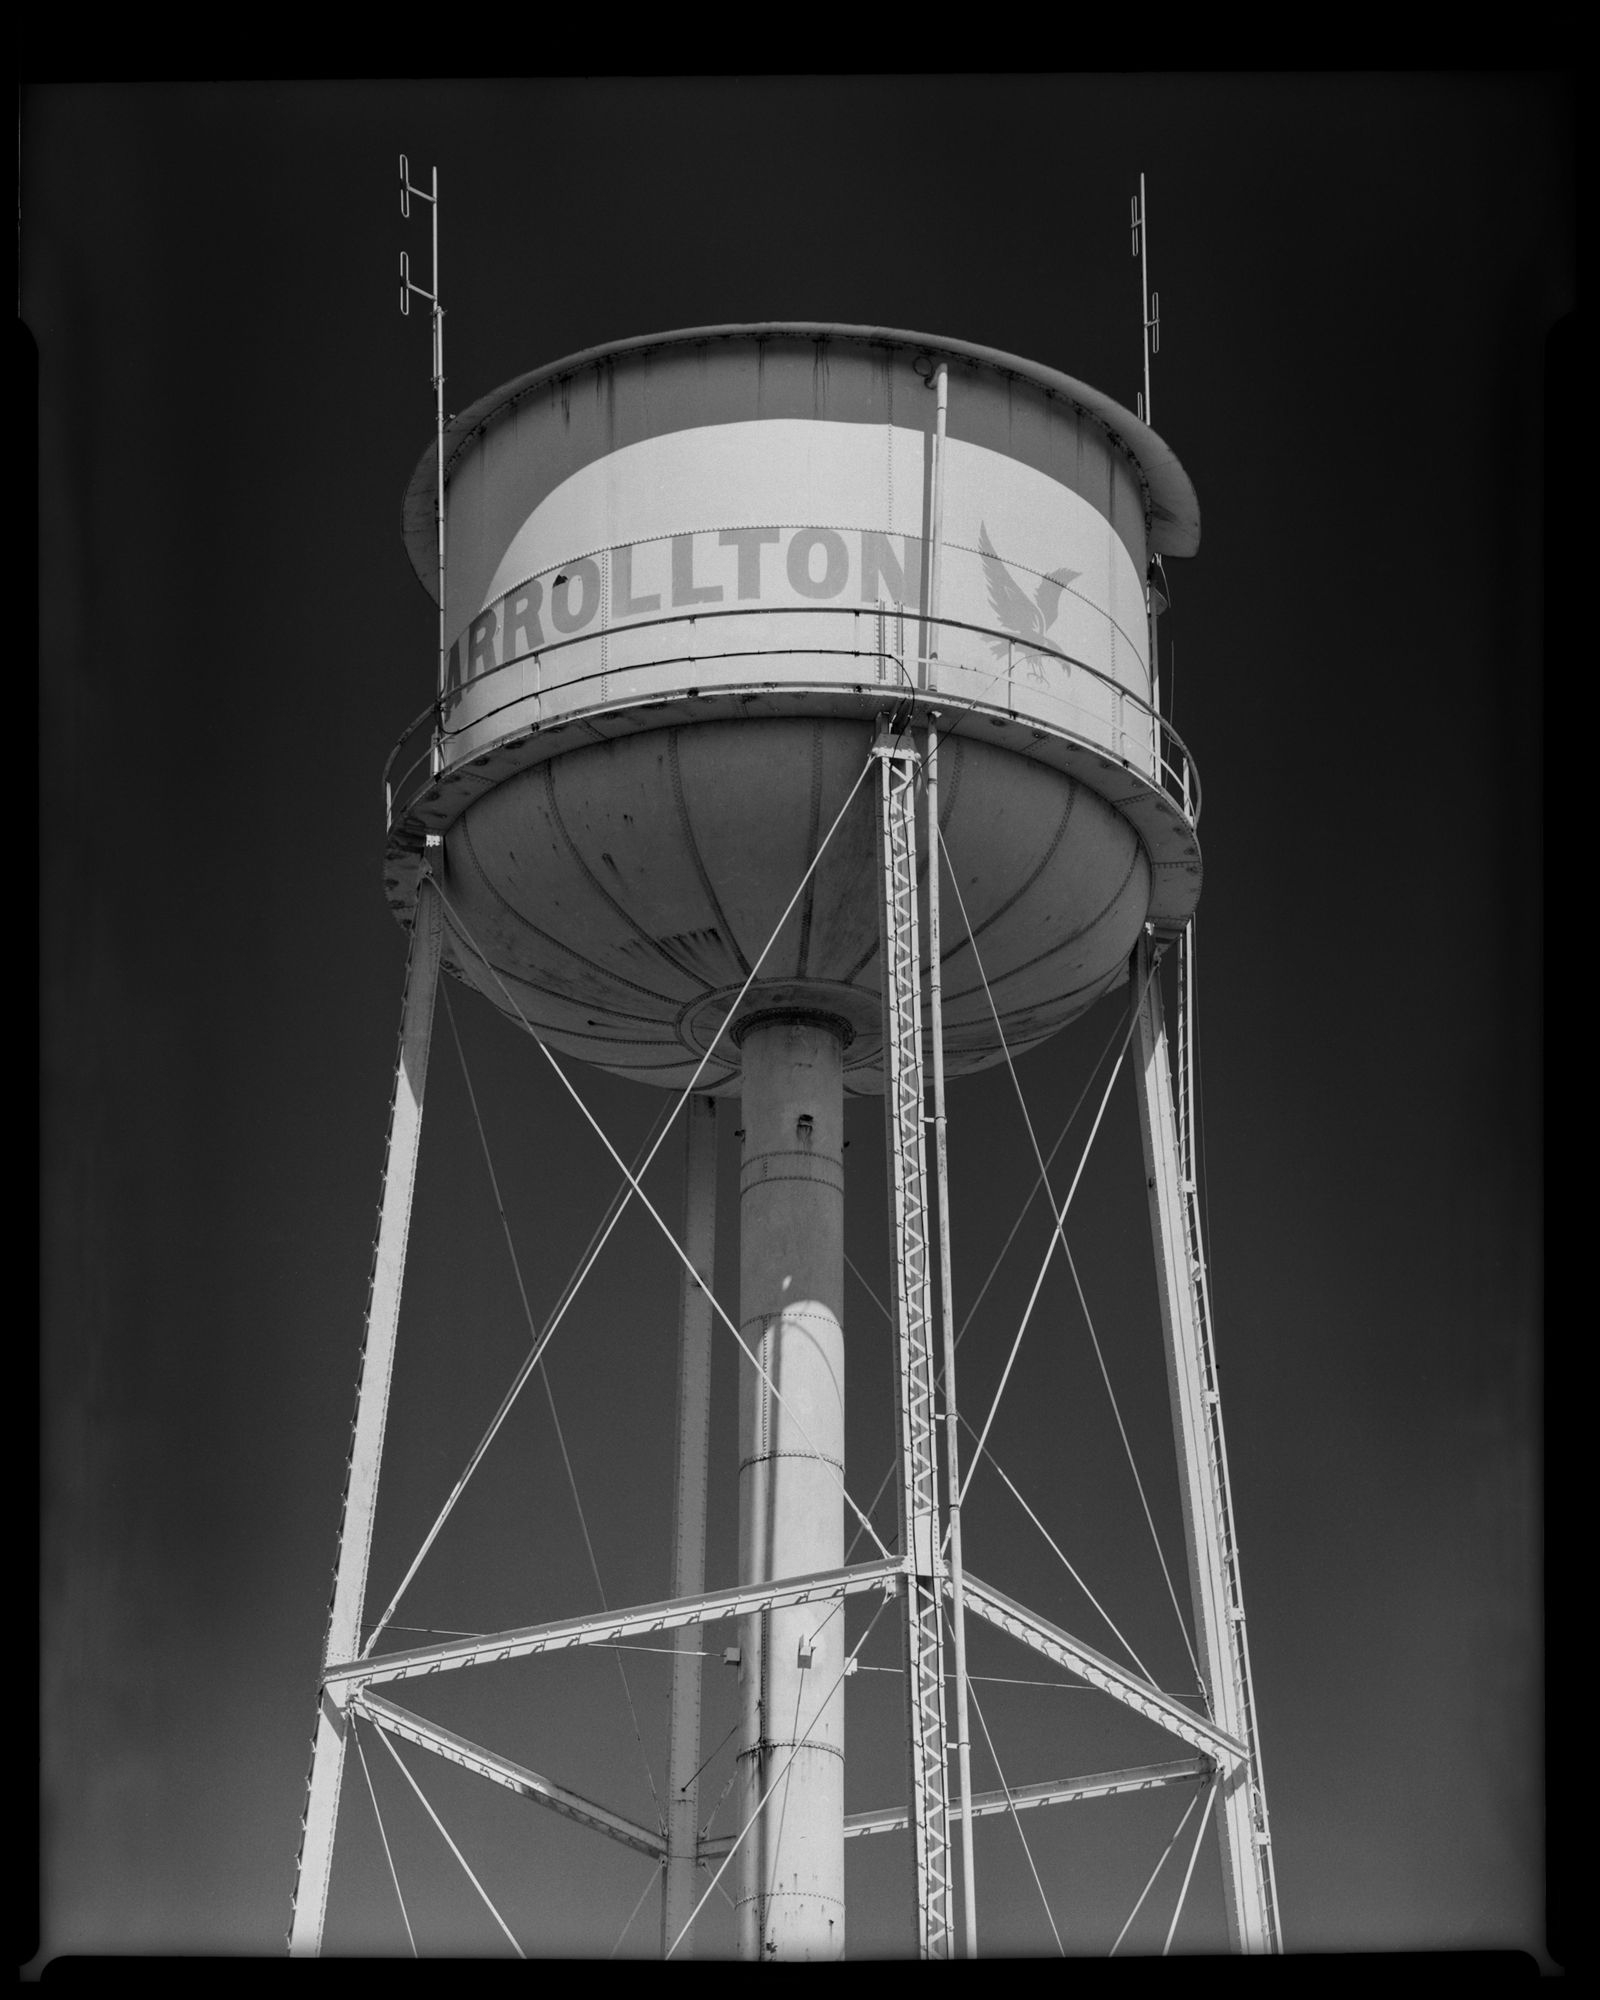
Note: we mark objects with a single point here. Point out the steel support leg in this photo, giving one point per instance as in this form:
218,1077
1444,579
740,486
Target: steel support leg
689,1560
372,1406
1197,1420
910,1220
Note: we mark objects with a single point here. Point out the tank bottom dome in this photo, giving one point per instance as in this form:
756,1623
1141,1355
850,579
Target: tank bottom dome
619,896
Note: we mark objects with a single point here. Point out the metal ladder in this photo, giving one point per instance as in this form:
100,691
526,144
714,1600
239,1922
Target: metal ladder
916,1371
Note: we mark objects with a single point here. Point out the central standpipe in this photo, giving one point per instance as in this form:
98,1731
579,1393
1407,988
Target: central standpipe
791,1493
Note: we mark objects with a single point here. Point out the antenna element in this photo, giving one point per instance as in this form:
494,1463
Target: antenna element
1152,300
408,285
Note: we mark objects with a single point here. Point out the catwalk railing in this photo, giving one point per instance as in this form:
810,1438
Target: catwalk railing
980,667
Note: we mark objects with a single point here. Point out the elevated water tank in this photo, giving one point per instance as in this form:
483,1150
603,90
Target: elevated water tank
687,575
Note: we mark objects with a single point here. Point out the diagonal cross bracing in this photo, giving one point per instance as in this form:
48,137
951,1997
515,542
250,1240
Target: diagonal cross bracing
634,1182
632,1188
598,1628
502,1771
916,1368
1104,1674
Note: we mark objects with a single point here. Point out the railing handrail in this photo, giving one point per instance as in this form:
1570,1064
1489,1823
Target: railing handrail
831,610
1184,772
404,737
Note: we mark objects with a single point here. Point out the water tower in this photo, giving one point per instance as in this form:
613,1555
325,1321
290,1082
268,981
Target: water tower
752,637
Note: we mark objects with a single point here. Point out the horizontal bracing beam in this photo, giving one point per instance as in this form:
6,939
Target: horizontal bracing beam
515,1777
599,1628
1102,1673
1105,1785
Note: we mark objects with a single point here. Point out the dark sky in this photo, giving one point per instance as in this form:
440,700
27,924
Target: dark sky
1359,280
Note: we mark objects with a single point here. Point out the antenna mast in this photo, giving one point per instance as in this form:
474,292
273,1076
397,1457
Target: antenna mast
1152,345
1152,300
407,287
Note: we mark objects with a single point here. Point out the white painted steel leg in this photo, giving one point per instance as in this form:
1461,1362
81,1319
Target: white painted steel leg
372,1404
915,1372
791,1512
679,1891
1207,1506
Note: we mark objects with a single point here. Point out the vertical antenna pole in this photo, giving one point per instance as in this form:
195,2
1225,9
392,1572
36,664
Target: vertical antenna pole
1155,682
1151,317
438,407
941,387
407,287
315,1864
958,1602
1152,300
1144,276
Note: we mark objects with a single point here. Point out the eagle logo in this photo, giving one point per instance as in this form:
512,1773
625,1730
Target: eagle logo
1029,618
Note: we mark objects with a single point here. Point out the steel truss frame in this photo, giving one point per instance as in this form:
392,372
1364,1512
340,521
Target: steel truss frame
350,1679
904,1098
1225,1743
